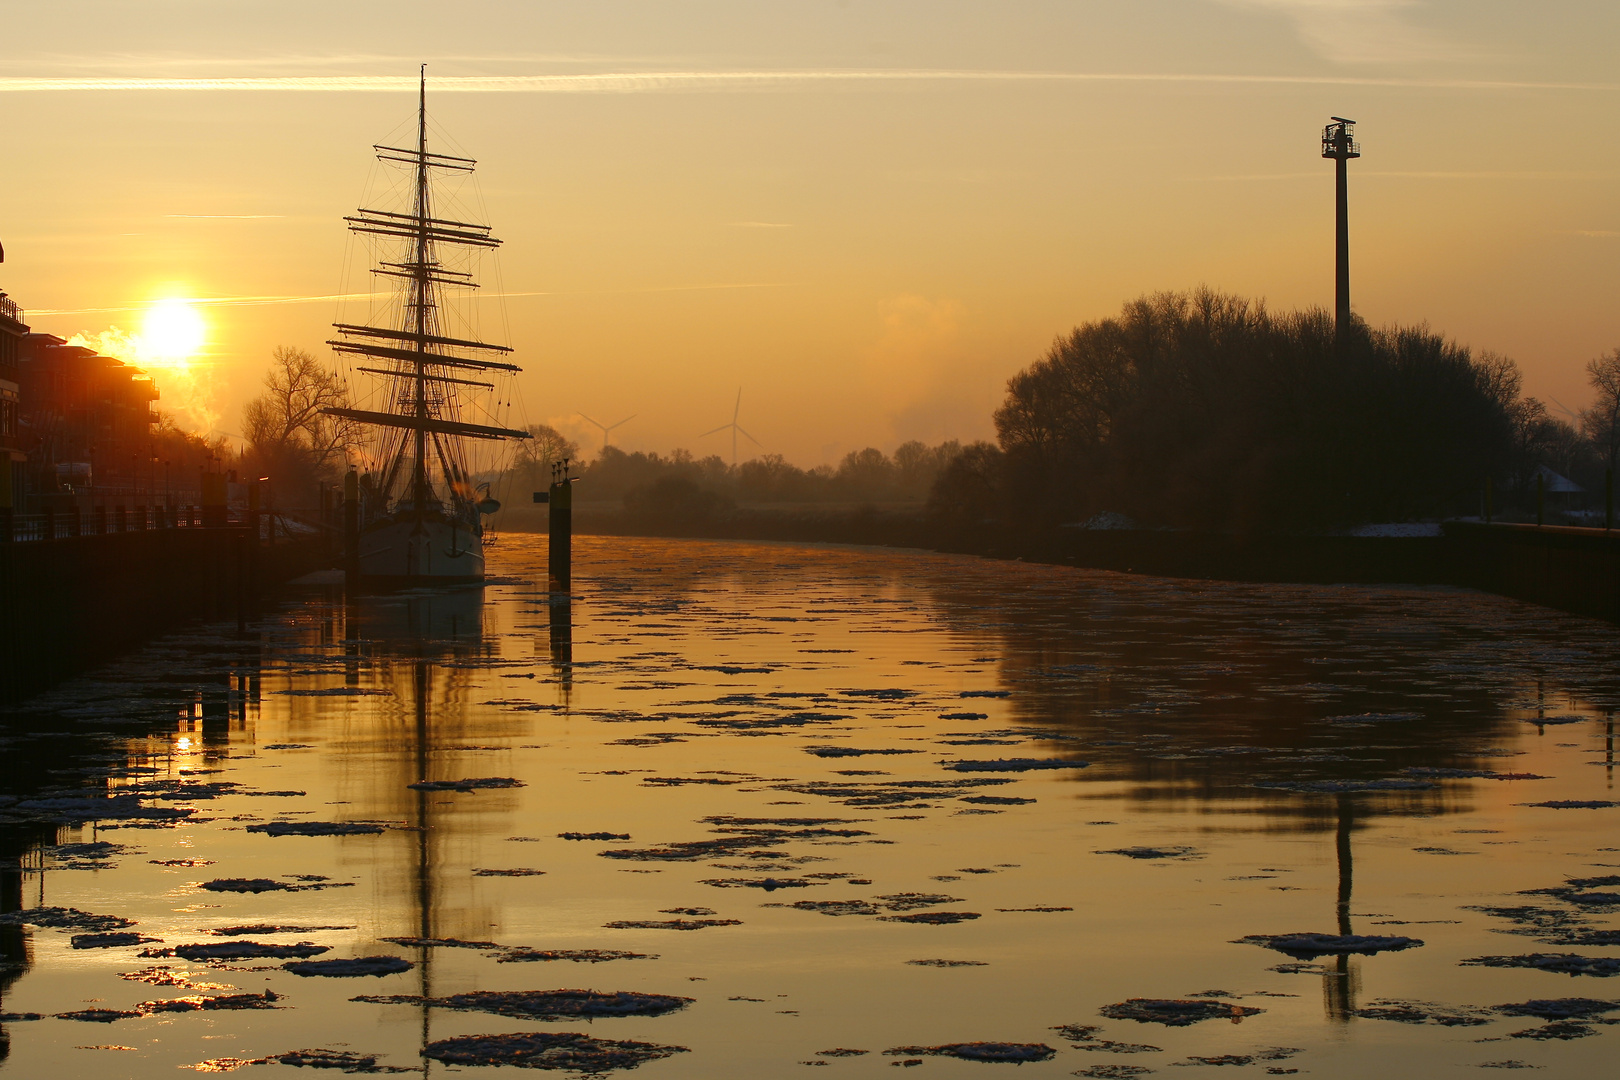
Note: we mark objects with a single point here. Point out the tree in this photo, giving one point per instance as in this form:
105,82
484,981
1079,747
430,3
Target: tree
545,446
770,478
289,433
865,475
967,494
918,465
1203,410
1601,423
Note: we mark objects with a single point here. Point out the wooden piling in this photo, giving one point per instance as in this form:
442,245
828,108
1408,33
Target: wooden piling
351,530
561,523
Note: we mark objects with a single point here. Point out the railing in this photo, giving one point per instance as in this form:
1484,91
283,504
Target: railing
105,521
9,308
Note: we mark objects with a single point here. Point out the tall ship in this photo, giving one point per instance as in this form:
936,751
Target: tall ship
422,509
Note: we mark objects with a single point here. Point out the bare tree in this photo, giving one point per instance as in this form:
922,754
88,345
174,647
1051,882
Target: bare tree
286,425
534,457
544,445
1601,423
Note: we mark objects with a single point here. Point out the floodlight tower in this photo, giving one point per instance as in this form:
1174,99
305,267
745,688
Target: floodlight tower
1339,143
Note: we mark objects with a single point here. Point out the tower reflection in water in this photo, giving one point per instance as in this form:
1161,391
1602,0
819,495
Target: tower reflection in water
1342,982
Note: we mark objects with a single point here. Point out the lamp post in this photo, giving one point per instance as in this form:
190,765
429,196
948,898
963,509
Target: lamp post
1338,143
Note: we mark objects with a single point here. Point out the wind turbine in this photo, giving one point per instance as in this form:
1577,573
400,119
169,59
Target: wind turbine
735,430
606,427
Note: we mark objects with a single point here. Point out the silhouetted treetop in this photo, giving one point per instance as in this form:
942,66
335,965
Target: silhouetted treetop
1207,410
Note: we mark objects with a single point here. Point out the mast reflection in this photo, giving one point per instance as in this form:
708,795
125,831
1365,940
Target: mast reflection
424,646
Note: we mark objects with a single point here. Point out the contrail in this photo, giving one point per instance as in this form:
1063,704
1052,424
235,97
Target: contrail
692,81
212,301
258,301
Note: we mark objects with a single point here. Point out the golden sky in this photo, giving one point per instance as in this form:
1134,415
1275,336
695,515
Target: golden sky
866,214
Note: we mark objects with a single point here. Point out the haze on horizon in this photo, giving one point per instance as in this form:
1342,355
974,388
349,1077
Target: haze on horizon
865,214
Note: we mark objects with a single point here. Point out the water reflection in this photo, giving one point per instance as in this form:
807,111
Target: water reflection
1246,745
1341,984
560,641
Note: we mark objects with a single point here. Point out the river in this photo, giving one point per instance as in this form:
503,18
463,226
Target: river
769,807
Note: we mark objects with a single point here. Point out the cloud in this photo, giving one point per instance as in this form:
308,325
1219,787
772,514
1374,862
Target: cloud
735,81
915,370
189,388
1362,31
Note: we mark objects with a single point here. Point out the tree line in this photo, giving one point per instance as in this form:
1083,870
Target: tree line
289,437
1197,410
682,485
1205,410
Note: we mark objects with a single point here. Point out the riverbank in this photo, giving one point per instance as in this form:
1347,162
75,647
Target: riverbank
1571,569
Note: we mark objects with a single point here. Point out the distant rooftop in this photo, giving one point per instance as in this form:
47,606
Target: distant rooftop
1555,483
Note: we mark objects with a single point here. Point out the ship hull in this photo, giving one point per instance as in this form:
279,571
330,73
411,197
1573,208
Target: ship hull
408,550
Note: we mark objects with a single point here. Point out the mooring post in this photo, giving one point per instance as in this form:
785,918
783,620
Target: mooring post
561,524
7,501
214,500
1541,497
351,529
1608,499
242,551
1487,500
326,520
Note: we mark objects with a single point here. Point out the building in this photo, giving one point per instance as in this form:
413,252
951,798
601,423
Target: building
13,331
87,423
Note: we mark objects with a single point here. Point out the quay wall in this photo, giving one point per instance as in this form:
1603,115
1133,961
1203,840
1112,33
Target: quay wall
71,602
1576,570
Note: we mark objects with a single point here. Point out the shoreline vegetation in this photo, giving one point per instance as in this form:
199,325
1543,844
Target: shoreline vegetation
1195,435
1191,412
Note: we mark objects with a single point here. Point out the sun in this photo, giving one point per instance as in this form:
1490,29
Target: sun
173,331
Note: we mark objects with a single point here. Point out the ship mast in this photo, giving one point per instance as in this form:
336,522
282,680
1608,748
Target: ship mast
422,301
421,396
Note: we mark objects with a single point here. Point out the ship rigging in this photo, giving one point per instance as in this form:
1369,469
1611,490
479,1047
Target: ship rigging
422,511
